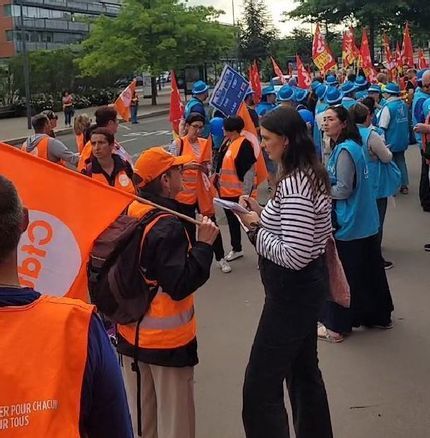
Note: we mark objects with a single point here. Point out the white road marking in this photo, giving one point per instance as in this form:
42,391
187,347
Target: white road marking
125,127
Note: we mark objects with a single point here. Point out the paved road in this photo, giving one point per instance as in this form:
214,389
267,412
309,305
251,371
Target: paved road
377,381
154,131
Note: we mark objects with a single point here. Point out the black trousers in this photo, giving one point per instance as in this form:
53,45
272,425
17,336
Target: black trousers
234,227
285,348
424,186
190,210
382,210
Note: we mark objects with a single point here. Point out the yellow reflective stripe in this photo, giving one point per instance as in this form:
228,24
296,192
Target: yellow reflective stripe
168,322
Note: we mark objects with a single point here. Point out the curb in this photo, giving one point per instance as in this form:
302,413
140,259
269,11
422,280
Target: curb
64,131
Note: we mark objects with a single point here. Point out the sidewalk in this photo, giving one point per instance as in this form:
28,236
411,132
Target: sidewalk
14,130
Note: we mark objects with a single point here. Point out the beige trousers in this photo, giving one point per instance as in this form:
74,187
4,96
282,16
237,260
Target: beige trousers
167,400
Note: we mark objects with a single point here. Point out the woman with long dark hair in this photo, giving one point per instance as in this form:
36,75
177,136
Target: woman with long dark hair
356,223
290,236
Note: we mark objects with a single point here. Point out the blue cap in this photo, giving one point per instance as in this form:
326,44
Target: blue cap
300,95
348,87
268,90
360,81
392,88
199,87
331,80
374,88
217,125
321,91
315,85
426,107
333,96
307,116
285,93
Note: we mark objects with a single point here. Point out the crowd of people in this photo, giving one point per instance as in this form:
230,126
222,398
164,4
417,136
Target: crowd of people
333,155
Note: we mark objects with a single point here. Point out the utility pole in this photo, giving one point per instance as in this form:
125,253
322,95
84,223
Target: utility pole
26,67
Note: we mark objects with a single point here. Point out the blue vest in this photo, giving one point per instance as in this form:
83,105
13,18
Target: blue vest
384,177
397,133
419,95
317,132
189,109
357,217
347,103
264,107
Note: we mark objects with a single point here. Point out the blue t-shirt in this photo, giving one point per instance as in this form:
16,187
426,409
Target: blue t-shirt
104,409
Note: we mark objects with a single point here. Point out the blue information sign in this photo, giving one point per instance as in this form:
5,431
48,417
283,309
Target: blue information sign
229,92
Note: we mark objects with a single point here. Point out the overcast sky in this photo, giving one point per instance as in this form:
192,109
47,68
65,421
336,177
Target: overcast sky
275,7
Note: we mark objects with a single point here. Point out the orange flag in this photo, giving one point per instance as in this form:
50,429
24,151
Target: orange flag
278,71
176,107
251,135
407,48
122,104
321,53
366,59
67,211
422,61
348,49
255,81
303,77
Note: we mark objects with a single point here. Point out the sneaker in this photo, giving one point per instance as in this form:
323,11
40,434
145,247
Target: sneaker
388,326
224,266
388,265
233,255
427,247
404,190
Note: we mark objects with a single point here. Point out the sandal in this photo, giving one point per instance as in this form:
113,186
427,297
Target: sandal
324,334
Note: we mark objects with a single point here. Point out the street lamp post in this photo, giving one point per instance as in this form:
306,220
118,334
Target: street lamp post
26,67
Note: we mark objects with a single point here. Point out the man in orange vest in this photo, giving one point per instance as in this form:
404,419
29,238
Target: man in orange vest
167,346
106,117
197,196
44,146
105,166
236,176
59,375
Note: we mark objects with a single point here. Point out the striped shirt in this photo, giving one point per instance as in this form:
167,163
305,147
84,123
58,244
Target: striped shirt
295,224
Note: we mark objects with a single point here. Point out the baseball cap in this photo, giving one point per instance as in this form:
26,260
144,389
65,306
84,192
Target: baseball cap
156,161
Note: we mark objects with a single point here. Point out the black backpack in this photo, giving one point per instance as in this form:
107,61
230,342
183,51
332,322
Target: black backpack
116,279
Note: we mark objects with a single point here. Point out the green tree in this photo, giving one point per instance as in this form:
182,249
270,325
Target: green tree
256,31
155,35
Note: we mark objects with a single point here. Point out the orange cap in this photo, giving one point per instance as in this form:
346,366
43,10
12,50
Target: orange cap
156,161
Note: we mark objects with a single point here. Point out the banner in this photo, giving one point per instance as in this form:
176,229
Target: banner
229,92
250,132
176,107
349,49
390,58
407,48
303,77
399,59
321,53
67,211
366,59
422,61
122,104
278,71
255,82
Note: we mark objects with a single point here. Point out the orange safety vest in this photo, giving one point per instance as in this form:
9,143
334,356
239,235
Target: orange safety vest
122,181
41,150
168,324
230,186
85,155
43,350
80,142
190,177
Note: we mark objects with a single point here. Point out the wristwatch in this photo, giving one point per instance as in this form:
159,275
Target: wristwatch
252,234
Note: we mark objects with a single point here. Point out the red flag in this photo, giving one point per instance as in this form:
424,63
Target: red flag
278,71
366,59
321,53
255,81
355,49
391,61
399,58
349,49
67,211
422,61
176,106
407,48
303,77
122,104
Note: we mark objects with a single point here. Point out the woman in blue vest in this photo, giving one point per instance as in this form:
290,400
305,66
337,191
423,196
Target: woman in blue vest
356,223
321,106
393,119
